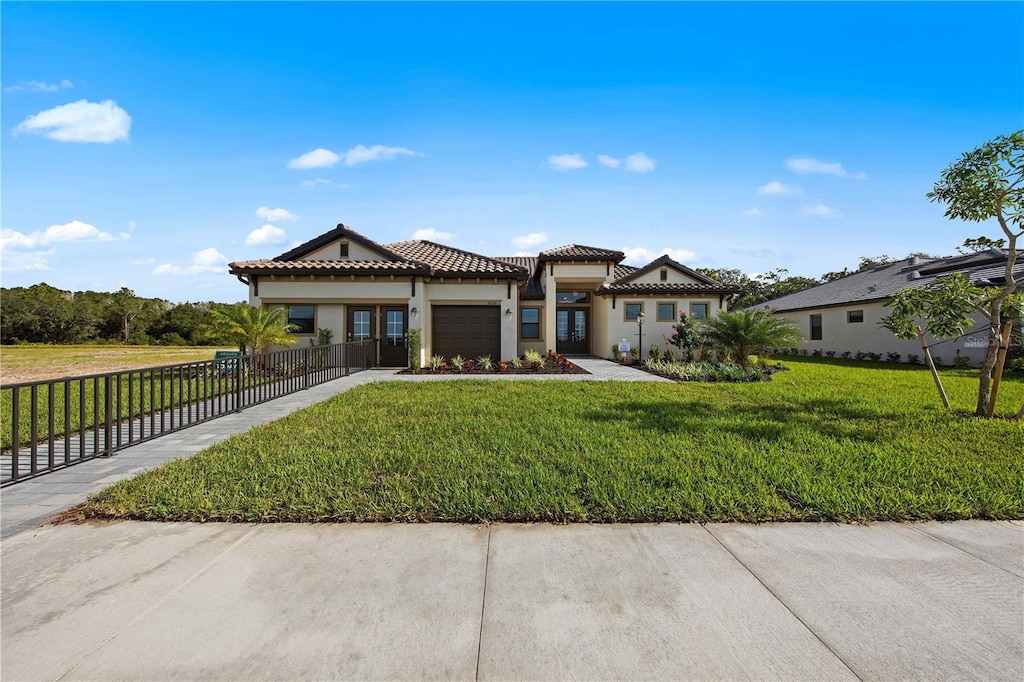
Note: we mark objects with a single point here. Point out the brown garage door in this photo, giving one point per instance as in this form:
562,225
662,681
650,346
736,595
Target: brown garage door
467,330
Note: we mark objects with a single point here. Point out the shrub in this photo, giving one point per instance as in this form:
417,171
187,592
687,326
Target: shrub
436,362
746,332
414,349
830,353
892,357
845,355
875,357
962,362
817,353
484,362
457,362
516,362
534,358
654,351
937,359
913,359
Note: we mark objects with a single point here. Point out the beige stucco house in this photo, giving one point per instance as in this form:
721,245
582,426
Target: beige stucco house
575,299
845,315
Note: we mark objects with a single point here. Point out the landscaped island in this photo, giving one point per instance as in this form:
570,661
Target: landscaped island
826,440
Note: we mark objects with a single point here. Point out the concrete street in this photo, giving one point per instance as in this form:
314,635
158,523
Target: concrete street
441,601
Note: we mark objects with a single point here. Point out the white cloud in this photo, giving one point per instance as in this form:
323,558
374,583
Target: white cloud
40,86
432,235
361,154
805,164
75,231
776,187
314,182
526,241
25,260
318,158
820,211
268,234
753,212
755,253
274,215
207,260
638,255
80,121
640,163
609,161
565,162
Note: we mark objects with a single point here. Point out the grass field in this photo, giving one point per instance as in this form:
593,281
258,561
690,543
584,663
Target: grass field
36,363
826,440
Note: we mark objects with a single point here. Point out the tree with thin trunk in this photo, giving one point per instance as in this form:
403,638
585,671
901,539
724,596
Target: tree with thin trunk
253,328
983,184
750,331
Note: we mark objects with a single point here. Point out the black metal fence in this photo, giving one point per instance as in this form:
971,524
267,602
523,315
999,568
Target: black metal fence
48,425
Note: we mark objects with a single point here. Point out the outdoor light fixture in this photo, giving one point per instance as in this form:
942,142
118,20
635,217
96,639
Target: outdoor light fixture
414,312
640,332
508,313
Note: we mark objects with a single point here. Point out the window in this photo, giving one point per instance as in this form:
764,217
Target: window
344,249
563,297
854,316
666,312
632,310
529,323
815,327
699,311
664,275
303,317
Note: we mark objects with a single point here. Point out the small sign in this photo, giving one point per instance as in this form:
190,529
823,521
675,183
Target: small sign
624,347
226,354
224,360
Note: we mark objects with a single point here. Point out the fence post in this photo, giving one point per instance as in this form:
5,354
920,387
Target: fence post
306,364
108,408
238,383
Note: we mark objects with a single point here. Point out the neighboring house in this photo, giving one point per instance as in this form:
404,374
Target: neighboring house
573,299
845,314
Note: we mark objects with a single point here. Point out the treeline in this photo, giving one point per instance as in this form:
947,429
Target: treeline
44,314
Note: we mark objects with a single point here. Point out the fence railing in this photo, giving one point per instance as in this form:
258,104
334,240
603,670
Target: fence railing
49,425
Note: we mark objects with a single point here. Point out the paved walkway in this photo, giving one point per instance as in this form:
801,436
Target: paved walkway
31,503
809,601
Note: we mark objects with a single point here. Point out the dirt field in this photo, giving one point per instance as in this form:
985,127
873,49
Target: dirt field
34,363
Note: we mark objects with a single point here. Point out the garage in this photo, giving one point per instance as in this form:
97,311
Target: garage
466,330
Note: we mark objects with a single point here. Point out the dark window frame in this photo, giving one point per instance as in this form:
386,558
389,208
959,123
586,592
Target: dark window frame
625,310
672,317
664,275
852,315
302,331
523,324
816,327
707,311
343,250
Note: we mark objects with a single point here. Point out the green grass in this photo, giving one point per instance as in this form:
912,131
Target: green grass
39,362
827,440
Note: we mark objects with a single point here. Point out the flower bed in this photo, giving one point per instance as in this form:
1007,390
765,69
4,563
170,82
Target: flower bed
530,363
709,371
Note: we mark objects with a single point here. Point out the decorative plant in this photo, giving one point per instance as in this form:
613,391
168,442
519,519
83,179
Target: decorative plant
484,363
845,355
746,332
534,358
686,335
457,362
962,362
436,362
892,357
502,366
516,362
469,364
616,353
830,353
414,349
913,359
654,351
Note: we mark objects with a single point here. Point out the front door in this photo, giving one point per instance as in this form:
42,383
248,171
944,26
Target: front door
393,351
361,324
571,331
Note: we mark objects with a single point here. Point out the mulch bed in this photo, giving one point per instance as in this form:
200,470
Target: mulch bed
556,365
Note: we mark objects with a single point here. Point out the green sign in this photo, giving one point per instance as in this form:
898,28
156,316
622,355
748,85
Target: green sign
226,354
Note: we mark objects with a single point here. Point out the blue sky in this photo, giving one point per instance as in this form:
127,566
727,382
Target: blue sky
146,145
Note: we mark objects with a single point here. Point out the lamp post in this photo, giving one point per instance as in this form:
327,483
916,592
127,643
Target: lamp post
640,334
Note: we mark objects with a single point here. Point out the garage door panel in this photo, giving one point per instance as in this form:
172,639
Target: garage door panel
466,330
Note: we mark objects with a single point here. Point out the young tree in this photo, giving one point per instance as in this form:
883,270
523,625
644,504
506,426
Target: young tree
985,183
750,331
254,328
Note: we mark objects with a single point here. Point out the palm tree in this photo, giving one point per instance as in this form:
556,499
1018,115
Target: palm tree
746,332
254,328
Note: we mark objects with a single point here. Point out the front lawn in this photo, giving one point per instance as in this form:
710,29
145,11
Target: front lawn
826,440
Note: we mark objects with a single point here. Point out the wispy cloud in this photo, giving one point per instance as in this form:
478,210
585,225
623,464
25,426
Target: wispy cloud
804,165
75,231
609,161
315,182
639,255
25,261
752,212
777,188
40,86
640,163
526,241
80,121
274,215
431,235
378,152
268,234
754,253
566,162
820,211
318,158
201,262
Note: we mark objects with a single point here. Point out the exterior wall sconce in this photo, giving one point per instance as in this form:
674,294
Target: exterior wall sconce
508,313
414,312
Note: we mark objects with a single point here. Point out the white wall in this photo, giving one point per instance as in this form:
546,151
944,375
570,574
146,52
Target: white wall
332,251
654,331
869,336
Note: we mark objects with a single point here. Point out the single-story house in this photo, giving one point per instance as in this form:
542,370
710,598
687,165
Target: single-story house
845,315
572,300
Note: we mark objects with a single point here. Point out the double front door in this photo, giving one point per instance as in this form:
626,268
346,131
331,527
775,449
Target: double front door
386,324
572,331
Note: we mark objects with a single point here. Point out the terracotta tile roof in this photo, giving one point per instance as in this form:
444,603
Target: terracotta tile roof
342,231
326,266
622,270
577,252
441,260
665,288
528,262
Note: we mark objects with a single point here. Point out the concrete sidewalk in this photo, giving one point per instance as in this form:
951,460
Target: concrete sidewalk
776,601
